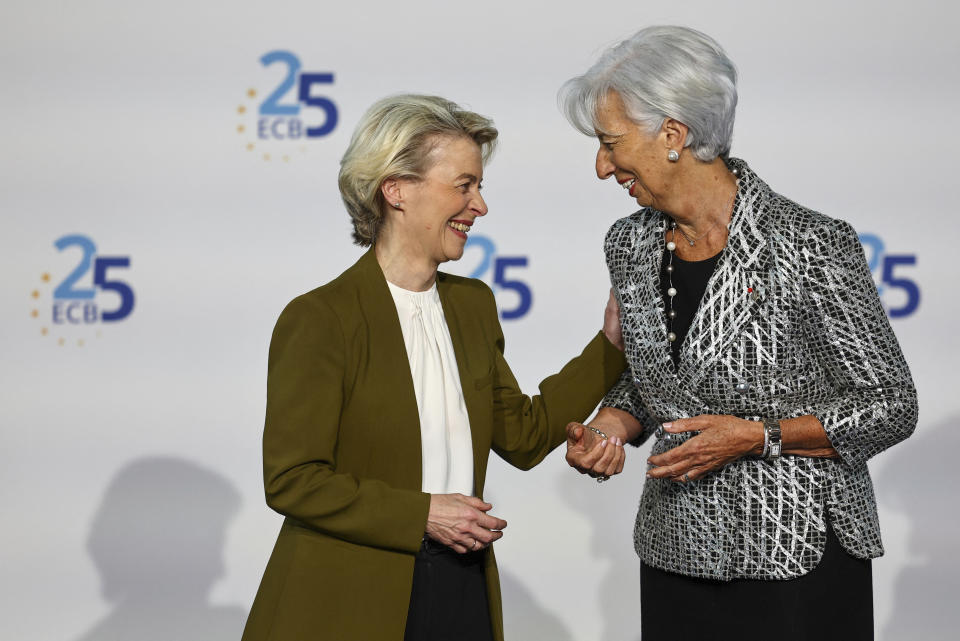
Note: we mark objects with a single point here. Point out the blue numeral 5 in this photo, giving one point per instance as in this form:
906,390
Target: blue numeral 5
907,285
523,291
330,109
101,265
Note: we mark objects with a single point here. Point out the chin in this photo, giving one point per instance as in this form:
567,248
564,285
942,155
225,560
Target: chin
453,253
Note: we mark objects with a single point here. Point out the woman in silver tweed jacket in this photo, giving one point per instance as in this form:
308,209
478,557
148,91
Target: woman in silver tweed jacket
761,361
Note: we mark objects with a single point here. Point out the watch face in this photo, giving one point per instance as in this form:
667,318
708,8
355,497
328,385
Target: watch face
772,445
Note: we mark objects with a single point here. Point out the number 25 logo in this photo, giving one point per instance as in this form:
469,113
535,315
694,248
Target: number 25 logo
877,259
500,265
67,290
304,82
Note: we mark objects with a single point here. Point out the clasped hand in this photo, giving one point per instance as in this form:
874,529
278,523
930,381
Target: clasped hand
462,523
590,453
722,439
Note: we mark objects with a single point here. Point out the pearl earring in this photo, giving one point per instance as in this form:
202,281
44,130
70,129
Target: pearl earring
673,156
397,205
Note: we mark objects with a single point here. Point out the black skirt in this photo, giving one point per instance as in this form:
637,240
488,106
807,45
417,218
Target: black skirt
833,601
449,596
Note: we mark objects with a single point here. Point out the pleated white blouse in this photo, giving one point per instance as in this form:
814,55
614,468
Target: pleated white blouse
447,452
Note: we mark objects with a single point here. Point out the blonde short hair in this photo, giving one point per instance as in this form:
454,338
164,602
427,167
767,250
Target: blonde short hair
393,140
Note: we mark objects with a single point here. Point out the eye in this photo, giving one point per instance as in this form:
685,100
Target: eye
464,188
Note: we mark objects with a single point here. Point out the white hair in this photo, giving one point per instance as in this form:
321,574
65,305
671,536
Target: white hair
662,72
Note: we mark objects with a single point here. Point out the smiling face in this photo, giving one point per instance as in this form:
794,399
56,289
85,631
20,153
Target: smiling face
637,160
437,212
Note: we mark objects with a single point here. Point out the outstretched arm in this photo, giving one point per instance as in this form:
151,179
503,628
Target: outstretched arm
527,428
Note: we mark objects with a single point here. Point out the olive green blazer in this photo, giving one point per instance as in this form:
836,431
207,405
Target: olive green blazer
341,449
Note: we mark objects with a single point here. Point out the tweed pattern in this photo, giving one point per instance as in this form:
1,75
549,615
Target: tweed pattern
790,324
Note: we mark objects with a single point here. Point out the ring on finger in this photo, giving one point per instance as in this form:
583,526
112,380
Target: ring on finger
601,479
686,478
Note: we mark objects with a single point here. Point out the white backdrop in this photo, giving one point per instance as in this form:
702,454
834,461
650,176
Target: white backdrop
130,461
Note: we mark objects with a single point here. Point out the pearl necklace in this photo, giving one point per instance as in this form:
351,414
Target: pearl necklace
672,246
671,290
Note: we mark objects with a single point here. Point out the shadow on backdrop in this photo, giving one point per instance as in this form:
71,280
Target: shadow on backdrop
920,480
525,618
610,508
157,542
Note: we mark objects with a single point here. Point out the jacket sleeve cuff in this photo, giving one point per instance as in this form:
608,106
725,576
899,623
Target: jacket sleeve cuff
859,428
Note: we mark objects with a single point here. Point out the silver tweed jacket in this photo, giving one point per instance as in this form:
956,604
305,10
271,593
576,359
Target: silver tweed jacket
790,324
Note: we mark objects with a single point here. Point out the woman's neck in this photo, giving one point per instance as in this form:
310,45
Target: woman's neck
702,207
402,266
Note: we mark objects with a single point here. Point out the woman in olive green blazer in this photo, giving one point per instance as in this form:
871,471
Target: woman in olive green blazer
341,446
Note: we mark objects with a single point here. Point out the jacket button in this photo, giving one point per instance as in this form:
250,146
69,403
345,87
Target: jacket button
742,387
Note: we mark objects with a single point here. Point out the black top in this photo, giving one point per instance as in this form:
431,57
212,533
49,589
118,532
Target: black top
690,280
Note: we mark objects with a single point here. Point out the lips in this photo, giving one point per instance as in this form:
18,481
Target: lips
628,185
459,227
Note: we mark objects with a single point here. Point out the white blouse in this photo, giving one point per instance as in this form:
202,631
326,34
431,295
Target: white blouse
447,452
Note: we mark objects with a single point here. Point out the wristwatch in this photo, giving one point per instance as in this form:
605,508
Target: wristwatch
772,443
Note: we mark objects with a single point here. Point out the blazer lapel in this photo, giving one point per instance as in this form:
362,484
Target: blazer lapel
387,360
738,287
637,284
479,430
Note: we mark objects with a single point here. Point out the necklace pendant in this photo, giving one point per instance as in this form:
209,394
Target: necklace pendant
691,242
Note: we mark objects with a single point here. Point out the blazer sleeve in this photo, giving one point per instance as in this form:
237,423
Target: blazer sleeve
305,397
525,428
618,248
876,403
624,396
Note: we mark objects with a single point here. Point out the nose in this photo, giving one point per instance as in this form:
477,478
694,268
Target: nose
479,205
605,168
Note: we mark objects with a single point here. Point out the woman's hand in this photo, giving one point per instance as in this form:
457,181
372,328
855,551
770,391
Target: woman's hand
462,523
611,322
589,453
722,440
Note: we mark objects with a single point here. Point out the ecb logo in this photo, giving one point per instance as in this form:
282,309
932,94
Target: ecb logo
514,297
899,293
75,304
294,110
